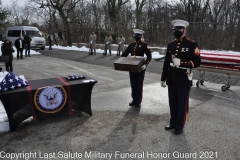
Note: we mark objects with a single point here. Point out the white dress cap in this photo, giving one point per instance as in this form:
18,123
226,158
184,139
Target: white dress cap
180,23
138,31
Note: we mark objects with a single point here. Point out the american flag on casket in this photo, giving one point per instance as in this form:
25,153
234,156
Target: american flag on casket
221,60
9,81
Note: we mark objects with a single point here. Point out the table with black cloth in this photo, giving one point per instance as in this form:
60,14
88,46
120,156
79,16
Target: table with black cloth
21,103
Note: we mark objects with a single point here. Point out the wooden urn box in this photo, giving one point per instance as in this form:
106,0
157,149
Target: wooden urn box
129,64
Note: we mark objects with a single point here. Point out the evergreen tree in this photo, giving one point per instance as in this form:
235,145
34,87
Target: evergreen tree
3,19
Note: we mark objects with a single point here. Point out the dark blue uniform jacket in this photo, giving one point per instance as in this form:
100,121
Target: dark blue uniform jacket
187,51
138,49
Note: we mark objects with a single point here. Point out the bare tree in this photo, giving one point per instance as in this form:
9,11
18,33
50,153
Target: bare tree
153,21
20,15
64,8
214,24
3,18
235,44
139,7
113,8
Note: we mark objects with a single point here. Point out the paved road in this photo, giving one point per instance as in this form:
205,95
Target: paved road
98,59
154,67
120,131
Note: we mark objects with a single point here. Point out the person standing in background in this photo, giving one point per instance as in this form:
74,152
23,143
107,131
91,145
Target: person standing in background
121,41
108,44
55,38
7,50
92,42
19,45
27,43
60,35
50,42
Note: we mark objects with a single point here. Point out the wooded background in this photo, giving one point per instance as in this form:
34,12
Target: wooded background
214,24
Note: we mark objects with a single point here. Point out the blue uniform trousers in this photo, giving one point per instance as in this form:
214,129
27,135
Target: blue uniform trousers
177,103
136,80
27,50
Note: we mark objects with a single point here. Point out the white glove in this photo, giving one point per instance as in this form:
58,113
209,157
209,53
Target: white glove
176,61
91,42
163,84
144,67
107,42
190,75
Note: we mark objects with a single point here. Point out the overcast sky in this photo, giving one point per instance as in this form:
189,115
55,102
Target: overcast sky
8,2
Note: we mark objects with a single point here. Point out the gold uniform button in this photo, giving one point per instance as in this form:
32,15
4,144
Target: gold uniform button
176,50
178,43
176,54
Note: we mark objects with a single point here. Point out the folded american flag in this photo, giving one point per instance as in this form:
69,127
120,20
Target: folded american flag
74,77
10,81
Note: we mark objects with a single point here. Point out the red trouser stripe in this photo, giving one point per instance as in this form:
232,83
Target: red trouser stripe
68,94
143,74
31,102
185,111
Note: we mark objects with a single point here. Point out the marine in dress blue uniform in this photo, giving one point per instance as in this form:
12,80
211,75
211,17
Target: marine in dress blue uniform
182,55
137,49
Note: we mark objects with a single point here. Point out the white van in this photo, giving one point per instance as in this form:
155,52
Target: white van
38,41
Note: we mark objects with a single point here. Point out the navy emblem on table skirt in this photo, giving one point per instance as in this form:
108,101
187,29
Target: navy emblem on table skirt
50,99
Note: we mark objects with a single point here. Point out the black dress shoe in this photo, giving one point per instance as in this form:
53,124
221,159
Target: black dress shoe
177,131
132,103
169,127
137,105
29,56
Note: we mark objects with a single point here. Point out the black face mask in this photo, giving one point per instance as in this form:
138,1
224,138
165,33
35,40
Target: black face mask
178,34
137,38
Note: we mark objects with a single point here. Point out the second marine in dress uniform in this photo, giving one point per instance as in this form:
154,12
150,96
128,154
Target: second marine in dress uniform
137,49
182,55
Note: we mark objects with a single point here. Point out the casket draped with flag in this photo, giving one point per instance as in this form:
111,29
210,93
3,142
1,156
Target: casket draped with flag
9,81
221,60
